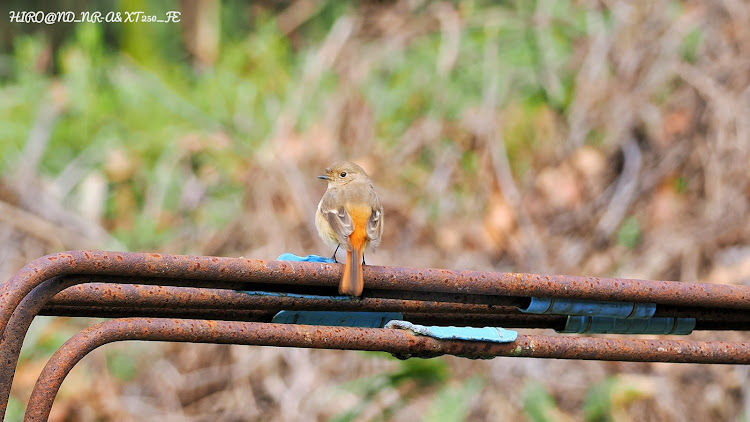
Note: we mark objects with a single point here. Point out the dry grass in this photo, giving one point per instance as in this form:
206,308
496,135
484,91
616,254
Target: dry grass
652,140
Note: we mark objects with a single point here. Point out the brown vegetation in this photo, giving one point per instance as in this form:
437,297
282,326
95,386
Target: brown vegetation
644,175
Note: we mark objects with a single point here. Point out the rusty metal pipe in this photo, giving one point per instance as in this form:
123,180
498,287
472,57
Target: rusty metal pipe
522,302
384,278
14,332
94,299
505,320
150,296
144,312
706,314
500,320
173,298
160,296
237,273
398,342
124,300
103,294
18,326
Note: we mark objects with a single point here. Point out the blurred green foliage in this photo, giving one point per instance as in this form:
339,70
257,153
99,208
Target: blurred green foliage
629,233
47,334
607,400
451,402
538,403
122,363
597,406
604,401
690,44
15,410
412,377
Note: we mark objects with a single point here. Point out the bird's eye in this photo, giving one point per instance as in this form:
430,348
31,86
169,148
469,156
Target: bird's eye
343,174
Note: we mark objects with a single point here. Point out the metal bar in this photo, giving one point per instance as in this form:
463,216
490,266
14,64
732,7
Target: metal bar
144,300
505,320
179,302
94,299
160,296
96,294
123,300
398,342
150,296
144,312
384,285
473,299
307,274
15,332
706,314
106,300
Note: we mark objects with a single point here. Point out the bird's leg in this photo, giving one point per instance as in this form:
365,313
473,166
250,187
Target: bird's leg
334,253
363,259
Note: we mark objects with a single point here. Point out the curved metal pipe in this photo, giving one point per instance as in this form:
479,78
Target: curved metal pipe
398,342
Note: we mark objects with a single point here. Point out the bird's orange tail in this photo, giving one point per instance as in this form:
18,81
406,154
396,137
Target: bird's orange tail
352,281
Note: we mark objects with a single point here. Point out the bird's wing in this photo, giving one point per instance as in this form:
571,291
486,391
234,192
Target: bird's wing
340,220
375,224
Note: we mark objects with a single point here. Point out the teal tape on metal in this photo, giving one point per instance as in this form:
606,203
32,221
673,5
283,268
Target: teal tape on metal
493,334
337,319
561,306
604,325
309,258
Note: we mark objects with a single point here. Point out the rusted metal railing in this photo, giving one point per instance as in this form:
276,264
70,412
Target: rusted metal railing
373,339
120,300
201,293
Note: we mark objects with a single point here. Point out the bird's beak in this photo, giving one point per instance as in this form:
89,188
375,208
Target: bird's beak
324,177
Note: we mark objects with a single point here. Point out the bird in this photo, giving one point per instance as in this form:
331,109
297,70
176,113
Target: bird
350,215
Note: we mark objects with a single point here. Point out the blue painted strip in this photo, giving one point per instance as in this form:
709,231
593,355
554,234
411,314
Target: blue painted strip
292,257
562,306
336,319
493,334
309,258
604,325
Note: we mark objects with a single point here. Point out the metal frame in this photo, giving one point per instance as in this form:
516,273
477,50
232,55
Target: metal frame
200,291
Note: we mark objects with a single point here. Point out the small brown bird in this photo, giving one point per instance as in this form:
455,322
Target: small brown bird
349,214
